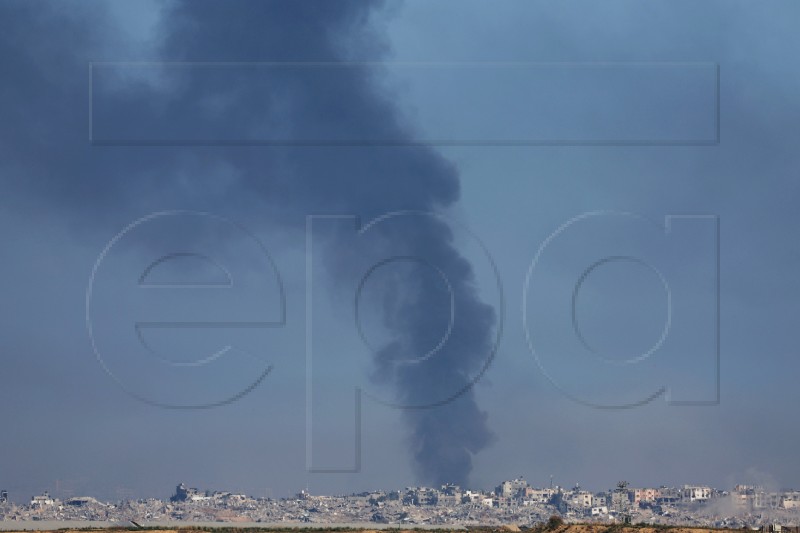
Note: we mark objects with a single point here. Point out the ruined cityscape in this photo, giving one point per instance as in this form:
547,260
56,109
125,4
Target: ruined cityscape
512,502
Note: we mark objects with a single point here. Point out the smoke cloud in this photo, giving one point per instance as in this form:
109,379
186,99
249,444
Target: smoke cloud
47,160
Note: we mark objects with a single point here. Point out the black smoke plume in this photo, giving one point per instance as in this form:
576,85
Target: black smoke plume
47,162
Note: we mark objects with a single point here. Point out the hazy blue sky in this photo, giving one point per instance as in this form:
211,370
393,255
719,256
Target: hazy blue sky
568,131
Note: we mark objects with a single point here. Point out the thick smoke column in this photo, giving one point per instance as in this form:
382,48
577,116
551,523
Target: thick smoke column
447,432
368,181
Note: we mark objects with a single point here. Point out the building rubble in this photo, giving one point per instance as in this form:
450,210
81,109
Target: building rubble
511,502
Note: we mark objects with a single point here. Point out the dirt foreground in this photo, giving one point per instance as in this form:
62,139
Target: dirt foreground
510,528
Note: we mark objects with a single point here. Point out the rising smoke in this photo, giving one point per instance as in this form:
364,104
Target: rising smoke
47,47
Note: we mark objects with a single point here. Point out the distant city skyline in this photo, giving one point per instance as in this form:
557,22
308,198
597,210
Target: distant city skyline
512,501
551,484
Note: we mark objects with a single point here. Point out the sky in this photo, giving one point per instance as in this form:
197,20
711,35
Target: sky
351,245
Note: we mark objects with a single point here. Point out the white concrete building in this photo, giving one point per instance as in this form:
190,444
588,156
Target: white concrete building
695,493
42,501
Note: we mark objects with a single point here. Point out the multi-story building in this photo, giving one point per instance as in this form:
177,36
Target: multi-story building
620,499
449,495
791,499
766,500
512,489
695,493
581,499
645,495
600,499
471,496
533,495
37,502
743,496
749,497
668,495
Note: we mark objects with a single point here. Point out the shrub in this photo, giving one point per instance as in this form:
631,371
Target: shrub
554,522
